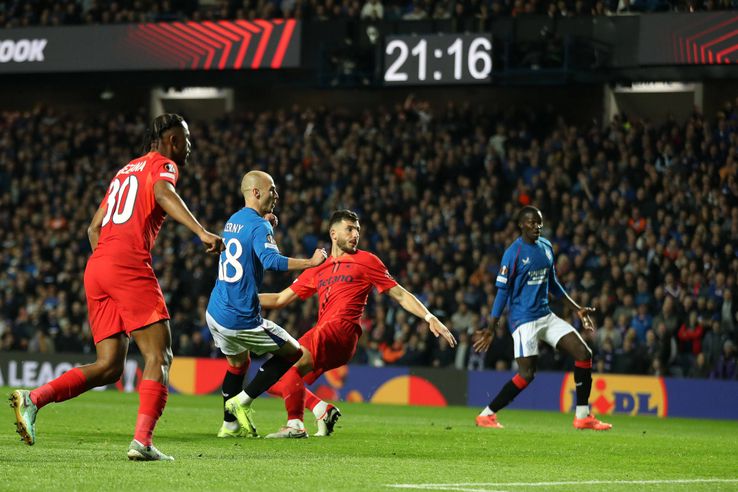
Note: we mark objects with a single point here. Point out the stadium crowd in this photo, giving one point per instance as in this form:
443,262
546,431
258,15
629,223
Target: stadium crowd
644,219
17,13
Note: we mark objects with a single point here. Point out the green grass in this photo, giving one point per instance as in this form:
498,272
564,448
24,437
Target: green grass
81,445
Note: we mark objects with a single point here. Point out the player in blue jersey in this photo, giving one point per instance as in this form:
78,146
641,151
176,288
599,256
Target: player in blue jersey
526,275
234,313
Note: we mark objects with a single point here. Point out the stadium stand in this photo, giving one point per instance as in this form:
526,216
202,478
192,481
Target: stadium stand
17,13
644,218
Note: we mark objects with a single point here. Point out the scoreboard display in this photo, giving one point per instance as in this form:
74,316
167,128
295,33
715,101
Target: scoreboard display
438,59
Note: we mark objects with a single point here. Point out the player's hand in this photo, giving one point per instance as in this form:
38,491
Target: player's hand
482,340
273,219
212,242
319,257
439,329
587,322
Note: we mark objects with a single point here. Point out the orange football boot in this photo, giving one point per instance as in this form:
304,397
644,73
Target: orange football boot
590,422
488,421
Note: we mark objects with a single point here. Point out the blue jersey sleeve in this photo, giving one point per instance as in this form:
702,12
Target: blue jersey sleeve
505,278
266,248
507,268
500,302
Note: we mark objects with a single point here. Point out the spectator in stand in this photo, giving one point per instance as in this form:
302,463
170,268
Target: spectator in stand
436,185
372,10
642,322
725,368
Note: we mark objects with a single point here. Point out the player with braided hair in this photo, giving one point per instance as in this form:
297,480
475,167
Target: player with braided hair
123,295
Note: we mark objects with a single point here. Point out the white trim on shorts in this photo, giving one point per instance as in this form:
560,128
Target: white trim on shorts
549,328
267,337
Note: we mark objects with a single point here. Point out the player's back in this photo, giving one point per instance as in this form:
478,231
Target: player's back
133,218
234,302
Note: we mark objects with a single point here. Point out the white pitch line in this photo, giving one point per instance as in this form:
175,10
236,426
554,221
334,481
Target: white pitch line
482,487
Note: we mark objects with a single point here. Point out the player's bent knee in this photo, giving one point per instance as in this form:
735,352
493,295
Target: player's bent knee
160,359
294,357
585,353
109,371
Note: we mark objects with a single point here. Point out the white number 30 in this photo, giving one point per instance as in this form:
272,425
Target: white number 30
121,210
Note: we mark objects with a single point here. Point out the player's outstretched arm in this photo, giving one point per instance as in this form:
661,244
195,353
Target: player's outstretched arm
411,304
319,256
170,201
93,231
277,301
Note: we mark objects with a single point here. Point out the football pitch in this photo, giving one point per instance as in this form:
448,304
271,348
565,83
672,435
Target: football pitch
81,445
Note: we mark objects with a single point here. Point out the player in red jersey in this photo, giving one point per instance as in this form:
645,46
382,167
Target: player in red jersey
343,284
123,295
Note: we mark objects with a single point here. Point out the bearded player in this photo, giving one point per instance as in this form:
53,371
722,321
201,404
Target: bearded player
123,295
526,274
343,284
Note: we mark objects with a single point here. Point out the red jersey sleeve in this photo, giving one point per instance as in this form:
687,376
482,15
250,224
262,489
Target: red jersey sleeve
163,168
378,274
304,285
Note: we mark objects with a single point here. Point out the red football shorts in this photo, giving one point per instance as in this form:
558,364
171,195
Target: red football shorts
121,299
332,344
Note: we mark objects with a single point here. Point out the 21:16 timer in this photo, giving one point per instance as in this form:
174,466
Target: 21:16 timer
438,59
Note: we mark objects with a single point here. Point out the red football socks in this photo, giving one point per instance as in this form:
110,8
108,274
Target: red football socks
310,399
70,384
153,398
293,392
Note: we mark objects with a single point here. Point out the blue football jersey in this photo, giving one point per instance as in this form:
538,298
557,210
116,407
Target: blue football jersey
523,281
249,250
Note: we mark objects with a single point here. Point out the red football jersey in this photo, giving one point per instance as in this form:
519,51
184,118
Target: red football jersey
343,285
132,216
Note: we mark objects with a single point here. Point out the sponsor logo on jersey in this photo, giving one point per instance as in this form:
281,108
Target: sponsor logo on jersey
632,395
334,280
537,277
525,260
22,50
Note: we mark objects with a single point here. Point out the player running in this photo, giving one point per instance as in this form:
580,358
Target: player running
234,315
123,295
343,284
523,282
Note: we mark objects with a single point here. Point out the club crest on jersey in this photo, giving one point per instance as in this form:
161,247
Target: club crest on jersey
170,167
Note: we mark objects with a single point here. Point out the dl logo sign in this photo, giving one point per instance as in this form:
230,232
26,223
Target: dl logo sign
632,395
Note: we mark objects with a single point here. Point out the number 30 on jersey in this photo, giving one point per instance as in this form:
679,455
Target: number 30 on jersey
121,199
